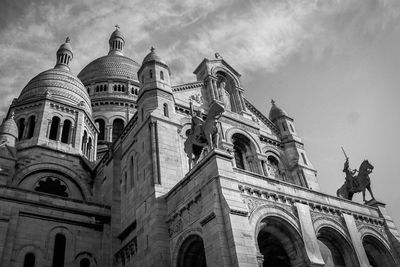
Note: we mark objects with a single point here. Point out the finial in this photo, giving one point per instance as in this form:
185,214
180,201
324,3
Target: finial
116,26
152,49
273,102
217,55
67,40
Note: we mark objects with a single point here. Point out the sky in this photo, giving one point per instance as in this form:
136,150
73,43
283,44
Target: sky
333,65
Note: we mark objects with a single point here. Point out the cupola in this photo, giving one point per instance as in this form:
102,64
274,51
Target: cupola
116,42
276,112
64,55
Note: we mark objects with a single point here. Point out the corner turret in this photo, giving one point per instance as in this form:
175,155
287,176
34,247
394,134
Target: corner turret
299,164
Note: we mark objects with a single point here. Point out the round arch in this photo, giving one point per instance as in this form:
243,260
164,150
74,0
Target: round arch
335,248
217,69
234,130
377,253
279,243
85,255
181,239
55,168
38,252
192,252
69,244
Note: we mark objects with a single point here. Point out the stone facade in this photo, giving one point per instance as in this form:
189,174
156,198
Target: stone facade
80,188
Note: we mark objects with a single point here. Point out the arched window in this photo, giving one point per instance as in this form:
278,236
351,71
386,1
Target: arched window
66,131
273,166
245,154
55,123
21,128
89,147
115,87
166,113
192,252
239,156
123,88
59,251
161,75
102,128
52,186
84,140
31,126
84,263
151,74
97,88
29,260
118,126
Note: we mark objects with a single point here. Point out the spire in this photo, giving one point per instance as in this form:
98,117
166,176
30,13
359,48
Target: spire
116,42
64,55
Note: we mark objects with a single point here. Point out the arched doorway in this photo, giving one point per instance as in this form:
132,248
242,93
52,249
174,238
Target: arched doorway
279,243
335,250
191,253
378,255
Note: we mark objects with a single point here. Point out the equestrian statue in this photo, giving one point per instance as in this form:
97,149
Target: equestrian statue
203,133
356,181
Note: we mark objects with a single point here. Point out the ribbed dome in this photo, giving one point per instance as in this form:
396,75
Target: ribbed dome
152,56
59,84
116,33
9,127
276,112
109,67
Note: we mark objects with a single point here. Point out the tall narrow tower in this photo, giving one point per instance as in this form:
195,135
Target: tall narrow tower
300,167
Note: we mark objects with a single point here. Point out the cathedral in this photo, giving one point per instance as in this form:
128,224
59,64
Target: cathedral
118,167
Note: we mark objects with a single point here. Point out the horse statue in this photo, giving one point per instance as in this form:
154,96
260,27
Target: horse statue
356,183
203,133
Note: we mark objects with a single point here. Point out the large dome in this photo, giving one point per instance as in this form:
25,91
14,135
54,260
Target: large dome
59,84
110,67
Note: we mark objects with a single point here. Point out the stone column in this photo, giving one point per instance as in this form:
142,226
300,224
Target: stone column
48,129
309,237
59,131
70,135
356,240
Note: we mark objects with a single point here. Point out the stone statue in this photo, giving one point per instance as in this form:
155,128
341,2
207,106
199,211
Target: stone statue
203,133
356,183
224,95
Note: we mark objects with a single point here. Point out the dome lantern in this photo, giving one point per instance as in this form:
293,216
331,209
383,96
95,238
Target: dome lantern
64,55
116,42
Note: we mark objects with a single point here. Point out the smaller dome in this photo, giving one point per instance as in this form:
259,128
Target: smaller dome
276,112
116,34
9,127
66,45
153,56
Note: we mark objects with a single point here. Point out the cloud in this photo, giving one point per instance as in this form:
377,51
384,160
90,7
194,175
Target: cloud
250,35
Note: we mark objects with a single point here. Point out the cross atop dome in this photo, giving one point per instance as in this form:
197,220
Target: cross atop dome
116,26
67,39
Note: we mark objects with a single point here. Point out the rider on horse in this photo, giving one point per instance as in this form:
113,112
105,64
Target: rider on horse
351,181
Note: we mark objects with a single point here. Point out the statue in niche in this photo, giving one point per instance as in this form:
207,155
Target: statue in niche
354,182
203,133
224,95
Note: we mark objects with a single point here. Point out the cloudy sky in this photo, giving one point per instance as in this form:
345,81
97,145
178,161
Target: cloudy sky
332,64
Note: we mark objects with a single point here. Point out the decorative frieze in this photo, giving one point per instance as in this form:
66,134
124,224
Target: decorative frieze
125,254
185,215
